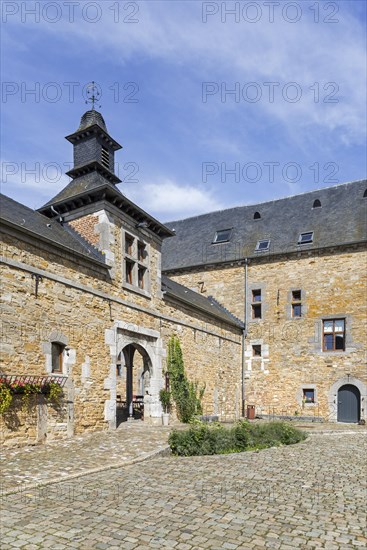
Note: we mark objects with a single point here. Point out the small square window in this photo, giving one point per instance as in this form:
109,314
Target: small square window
256,311
256,351
256,295
308,396
262,245
222,236
296,295
306,238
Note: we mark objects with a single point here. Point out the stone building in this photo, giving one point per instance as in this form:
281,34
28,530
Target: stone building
84,301
268,301
294,270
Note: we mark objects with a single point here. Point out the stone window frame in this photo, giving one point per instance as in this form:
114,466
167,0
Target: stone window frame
317,340
300,396
334,350
291,302
137,262
255,349
250,303
56,337
59,348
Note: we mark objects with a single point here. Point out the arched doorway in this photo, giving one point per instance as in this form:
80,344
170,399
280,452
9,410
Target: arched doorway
133,371
349,404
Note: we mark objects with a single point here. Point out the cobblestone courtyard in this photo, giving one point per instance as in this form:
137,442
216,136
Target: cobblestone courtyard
311,495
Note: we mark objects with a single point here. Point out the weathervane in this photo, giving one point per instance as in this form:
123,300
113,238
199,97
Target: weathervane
93,94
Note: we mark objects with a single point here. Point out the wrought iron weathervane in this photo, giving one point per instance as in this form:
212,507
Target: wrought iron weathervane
93,94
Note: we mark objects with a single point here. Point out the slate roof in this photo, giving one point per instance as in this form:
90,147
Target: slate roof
90,118
77,187
206,304
71,198
16,215
340,220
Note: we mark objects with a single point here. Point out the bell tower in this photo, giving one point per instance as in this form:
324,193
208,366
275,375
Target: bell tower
94,150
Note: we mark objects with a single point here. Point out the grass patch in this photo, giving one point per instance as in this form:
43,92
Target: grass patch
214,439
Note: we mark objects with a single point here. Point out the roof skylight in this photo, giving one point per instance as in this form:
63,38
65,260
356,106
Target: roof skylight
305,238
262,245
222,236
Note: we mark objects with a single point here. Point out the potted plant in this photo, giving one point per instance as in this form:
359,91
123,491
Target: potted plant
165,399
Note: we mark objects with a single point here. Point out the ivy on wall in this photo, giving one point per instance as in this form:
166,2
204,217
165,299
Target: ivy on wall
186,394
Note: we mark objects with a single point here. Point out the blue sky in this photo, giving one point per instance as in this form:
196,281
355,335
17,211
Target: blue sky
194,146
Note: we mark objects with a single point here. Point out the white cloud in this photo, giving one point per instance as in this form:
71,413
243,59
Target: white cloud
168,200
304,52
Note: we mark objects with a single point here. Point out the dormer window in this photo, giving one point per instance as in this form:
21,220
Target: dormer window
105,157
257,216
222,236
316,204
306,238
262,245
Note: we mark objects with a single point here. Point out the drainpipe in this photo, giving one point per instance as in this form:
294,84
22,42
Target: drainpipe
244,334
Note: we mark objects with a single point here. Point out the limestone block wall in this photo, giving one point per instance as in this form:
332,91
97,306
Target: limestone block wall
80,317
333,285
212,357
226,283
38,422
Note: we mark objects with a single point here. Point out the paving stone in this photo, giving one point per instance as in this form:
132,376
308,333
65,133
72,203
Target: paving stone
286,498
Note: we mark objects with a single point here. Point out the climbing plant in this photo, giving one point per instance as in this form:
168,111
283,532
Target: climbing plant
186,394
52,391
5,398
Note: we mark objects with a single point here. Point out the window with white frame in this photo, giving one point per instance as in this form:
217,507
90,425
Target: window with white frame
263,245
306,238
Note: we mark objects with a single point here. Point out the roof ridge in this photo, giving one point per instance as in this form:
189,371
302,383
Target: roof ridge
192,295
269,201
210,297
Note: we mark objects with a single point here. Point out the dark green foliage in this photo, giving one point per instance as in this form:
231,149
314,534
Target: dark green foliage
186,395
165,399
210,439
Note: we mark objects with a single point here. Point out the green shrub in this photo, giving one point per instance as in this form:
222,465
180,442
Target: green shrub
165,399
210,439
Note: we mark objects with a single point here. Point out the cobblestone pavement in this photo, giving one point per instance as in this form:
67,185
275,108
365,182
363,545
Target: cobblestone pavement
86,453
310,495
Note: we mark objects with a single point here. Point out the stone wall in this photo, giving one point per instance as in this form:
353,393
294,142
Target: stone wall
333,285
33,423
91,316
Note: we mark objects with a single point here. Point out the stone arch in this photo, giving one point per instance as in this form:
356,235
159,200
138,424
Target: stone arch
333,395
148,344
